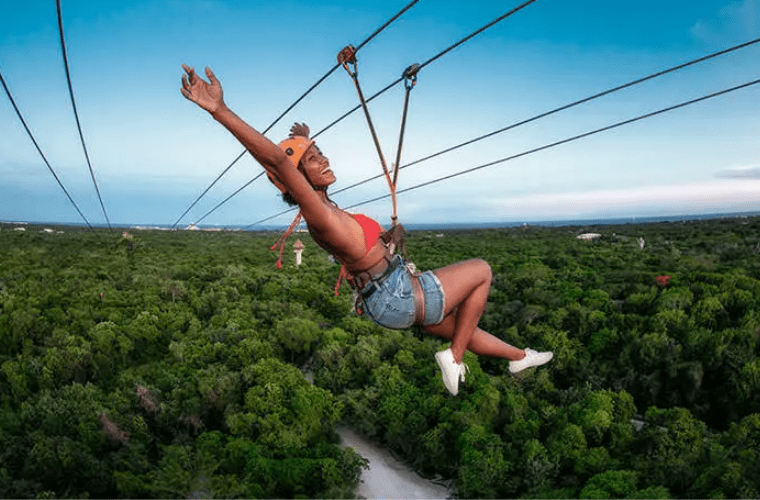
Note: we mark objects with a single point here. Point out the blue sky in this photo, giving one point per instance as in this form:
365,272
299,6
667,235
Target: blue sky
153,152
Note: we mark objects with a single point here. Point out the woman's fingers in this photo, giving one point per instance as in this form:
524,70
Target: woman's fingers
186,89
192,76
189,81
206,95
210,75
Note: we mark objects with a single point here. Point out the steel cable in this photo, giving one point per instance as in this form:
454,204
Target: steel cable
39,150
541,115
525,153
282,115
562,108
434,58
230,196
76,114
565,141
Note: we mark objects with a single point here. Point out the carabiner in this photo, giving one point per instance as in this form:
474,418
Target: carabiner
410,76
348,56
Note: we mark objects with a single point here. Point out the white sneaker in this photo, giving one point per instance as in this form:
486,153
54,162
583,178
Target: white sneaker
452,371
532,358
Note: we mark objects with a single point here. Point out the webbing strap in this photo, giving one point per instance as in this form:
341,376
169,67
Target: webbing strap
347,57
410,80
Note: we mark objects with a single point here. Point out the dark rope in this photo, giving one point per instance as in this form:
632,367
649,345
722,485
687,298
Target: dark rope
392,182
359,106
208,188
393,84
270,218
230,196
34,141
410,80
571,139
563,108
347,57
354,74
437,56
282,115
477,32
76,114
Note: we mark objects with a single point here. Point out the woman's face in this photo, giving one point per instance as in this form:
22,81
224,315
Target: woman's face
317,168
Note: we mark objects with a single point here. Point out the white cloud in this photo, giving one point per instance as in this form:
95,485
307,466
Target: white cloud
709,197
743,172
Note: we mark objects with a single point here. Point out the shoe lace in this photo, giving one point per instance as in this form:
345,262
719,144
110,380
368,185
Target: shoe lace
464,369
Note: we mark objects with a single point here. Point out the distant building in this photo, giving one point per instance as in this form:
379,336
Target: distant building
298,249
589,236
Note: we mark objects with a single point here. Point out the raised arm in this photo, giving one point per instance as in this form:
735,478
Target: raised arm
209,96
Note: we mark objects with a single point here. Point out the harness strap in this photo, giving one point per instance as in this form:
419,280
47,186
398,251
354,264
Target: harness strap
394,237
281,242
410,80
395,240
419,299
368,263
360,279
347,57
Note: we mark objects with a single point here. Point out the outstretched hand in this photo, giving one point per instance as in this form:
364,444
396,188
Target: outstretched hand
207,95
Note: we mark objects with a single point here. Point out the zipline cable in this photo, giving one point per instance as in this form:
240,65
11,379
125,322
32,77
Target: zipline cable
563,108
208,188
565,141
539,116
434,58
282,115
39,150
76,115
477,32
230,196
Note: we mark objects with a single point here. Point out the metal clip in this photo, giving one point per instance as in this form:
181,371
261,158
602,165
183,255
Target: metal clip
410,75
347,56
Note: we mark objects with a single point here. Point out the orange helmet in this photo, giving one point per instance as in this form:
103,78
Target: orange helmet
294,147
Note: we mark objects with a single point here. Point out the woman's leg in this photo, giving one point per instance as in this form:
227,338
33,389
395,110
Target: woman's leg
466,286
482,343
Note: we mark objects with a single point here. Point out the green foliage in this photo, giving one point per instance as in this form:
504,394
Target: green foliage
170,365
620,484
129,368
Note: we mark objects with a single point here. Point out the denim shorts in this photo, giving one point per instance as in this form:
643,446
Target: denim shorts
392,304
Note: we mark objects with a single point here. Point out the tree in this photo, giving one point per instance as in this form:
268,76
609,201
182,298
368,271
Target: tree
282,411
672,449
620,484
483,471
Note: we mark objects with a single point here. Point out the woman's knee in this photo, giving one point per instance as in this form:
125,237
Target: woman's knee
483,270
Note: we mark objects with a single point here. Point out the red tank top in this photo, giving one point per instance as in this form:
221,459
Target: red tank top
371,230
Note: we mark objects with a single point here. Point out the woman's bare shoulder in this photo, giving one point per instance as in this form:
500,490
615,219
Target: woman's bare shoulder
340,234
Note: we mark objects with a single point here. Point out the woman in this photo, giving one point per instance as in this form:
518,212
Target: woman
447,302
